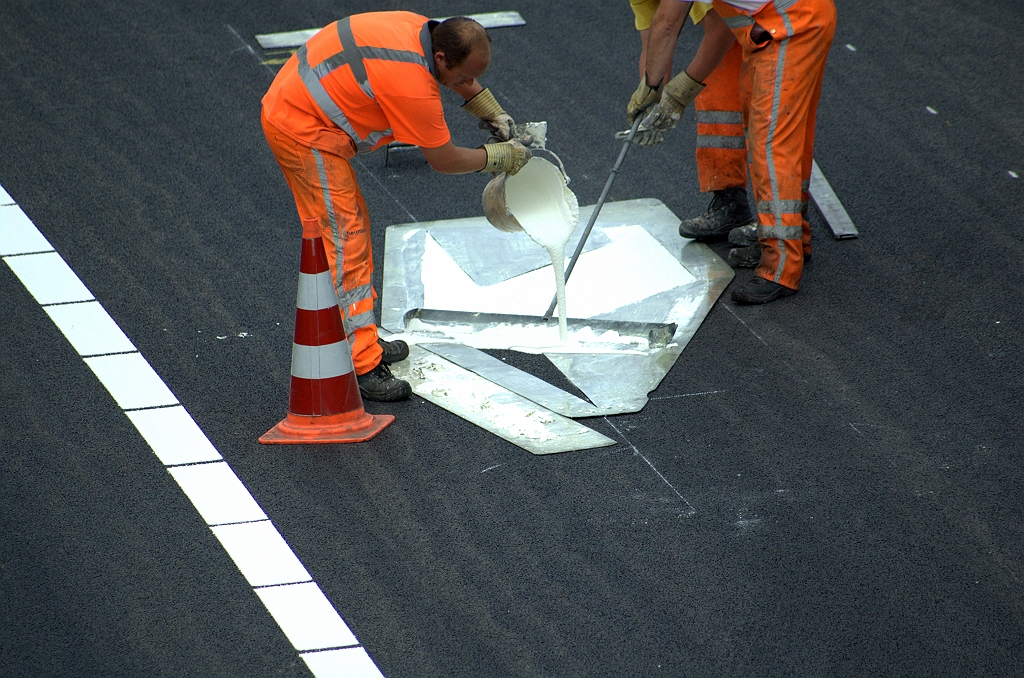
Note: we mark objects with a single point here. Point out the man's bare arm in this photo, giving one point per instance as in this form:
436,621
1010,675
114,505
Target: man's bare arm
452,159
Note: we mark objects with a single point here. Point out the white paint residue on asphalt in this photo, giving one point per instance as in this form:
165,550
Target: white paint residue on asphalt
262,555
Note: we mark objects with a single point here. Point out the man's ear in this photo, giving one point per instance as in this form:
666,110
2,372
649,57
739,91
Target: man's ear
440,60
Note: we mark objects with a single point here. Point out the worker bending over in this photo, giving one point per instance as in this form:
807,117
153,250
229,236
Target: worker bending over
721,144
785,45
356,85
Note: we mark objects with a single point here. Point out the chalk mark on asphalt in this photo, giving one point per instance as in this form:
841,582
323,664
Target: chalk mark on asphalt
726,307
690,510
249,48
381,184
687,395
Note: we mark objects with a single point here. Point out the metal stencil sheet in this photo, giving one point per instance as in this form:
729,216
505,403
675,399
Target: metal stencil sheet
492,407
515,380
491,257
616,382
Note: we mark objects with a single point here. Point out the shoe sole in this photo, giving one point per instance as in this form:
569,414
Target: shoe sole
753,301
387,397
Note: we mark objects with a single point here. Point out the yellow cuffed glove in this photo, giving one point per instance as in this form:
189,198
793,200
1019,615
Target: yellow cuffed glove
676,96
492,116
507,156
643,98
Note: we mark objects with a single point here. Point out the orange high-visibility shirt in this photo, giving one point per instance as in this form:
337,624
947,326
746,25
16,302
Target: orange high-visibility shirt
359,83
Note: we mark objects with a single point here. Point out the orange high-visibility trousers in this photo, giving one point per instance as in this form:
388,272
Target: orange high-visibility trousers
326,190
721,144
780,87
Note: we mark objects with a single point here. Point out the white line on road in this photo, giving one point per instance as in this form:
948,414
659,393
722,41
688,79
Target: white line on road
279,579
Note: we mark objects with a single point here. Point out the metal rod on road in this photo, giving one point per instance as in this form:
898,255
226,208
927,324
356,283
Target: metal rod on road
597,209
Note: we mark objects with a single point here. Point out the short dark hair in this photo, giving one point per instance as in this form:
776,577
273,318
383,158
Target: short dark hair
456,38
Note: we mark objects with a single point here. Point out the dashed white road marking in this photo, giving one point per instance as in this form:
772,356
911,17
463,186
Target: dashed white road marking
278,577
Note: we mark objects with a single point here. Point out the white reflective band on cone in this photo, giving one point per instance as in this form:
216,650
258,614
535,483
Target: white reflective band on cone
321,362
316,292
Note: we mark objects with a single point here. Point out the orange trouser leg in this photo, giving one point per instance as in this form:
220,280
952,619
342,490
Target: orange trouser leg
782,85
721,144
325,189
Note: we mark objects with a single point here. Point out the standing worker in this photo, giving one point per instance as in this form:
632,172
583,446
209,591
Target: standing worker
356,85
721,144
785,45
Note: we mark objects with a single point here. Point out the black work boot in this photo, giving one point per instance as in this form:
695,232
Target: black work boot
757,290
379,384
393,351
744,236
728,209
744,257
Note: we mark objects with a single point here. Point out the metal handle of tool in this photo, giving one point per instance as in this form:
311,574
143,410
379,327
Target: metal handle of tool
597,210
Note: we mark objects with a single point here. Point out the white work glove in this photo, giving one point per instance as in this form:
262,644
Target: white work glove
676,96
642,100
506,156
492,117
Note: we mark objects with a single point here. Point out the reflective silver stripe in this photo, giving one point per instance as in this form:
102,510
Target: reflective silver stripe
738,21
325,102
353,55
714,141
321,362
359,321
782,6
770,141
316,292
427,45
720,117
325,188
385,54
354,296
781,232
785,206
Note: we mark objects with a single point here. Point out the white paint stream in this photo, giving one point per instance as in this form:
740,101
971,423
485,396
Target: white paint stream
539,198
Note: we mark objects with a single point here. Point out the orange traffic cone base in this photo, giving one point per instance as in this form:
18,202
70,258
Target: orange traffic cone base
350,427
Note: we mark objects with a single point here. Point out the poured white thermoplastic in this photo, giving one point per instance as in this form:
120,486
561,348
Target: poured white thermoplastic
547,210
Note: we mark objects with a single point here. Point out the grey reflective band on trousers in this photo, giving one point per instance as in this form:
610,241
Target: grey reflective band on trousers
717,141
720,117
355,57
354,296
785,206
781,232
357,294
769,151
358,322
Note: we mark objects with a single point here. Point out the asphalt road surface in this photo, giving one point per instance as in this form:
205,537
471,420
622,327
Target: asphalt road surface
829,485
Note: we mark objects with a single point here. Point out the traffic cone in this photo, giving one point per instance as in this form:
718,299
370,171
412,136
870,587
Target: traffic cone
324,405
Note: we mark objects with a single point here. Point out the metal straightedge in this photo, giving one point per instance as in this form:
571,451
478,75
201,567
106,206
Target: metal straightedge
830,207
492,407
